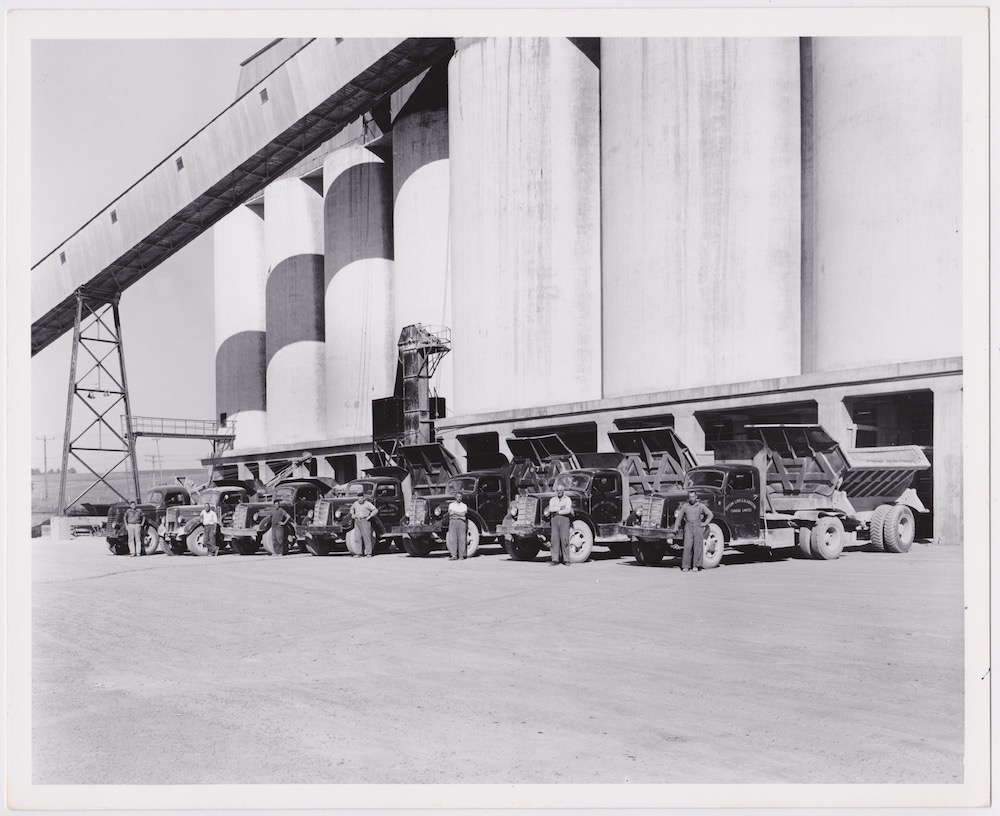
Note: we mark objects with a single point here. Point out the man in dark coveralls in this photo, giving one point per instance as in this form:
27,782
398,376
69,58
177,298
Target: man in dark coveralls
694,516
277,518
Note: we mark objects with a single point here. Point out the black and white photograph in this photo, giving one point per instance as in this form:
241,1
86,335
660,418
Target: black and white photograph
580,408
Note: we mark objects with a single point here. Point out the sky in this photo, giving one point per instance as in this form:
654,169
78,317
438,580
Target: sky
103,113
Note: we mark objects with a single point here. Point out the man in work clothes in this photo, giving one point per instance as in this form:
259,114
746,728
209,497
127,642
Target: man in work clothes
210,521
694,516
363,511
559,510
133,526
458,528
277,518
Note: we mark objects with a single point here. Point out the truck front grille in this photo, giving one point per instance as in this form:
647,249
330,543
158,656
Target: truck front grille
419,511
240,517
321,513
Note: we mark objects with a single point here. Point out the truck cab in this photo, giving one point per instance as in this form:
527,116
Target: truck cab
487,494
297,497
327,527
731,492
159,500
182,531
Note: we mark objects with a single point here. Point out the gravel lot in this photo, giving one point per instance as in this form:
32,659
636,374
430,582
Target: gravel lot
393,669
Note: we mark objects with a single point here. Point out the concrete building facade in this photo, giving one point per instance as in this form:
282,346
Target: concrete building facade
618,232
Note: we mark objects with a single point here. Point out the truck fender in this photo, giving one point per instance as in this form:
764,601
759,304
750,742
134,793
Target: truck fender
586,519
472,515
910,498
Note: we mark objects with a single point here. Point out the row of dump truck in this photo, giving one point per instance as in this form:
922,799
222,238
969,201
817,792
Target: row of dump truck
783,486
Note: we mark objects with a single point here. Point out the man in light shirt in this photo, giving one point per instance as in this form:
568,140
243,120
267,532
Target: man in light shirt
134,519
458,529
560,509
363,511
210,521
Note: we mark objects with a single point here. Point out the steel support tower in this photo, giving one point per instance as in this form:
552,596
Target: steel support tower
100,388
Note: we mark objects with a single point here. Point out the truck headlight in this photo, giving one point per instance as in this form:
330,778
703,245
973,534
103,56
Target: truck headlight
256,516
437,511
309,515
638,513
513,512
338,514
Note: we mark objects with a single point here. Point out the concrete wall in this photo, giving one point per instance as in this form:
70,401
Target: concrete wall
296,374
240,350
525,223
360,346
422,275
700,211
883,250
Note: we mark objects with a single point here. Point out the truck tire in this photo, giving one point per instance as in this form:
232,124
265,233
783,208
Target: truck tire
317,547
715,540
150,540
648,553
802,541
581,540
353,541
244,546
898,529
419,547
473,538
118,547
827,540
196,541
877,526
522,548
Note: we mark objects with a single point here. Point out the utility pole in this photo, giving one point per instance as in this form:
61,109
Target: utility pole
153,459
45,460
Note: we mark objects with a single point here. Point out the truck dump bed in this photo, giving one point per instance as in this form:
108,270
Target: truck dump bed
802,465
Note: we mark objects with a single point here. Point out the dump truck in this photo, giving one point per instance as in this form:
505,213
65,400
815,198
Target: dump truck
158,500
487,491
249,530
182,531
790,486
601,487
329,526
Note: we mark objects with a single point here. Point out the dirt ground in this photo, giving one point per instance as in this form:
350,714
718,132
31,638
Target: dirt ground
394,669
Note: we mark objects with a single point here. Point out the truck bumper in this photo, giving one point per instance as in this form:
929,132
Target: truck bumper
651,533
420,530
322,533
522,530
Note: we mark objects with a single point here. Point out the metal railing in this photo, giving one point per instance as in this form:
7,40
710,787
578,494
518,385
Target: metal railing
181,428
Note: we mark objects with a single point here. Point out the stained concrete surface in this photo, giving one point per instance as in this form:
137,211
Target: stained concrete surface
398,670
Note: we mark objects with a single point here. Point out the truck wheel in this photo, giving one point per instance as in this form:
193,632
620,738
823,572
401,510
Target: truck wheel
581,541
713,547
353,541
419,547
522,548
876,527
196,541
150,540
244,546
118,547
472,541
317,547
803,536
827,540
898,529
648,553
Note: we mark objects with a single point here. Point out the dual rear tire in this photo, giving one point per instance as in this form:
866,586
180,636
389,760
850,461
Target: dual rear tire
892,528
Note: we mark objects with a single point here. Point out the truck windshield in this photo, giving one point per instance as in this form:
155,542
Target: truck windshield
360,489
572,481
704,478
154,497
285,494
466,485
208,497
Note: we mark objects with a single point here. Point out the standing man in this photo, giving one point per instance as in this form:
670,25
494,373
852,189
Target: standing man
559,510
363,511
277,518
210,521
133,526
694,516
458,528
